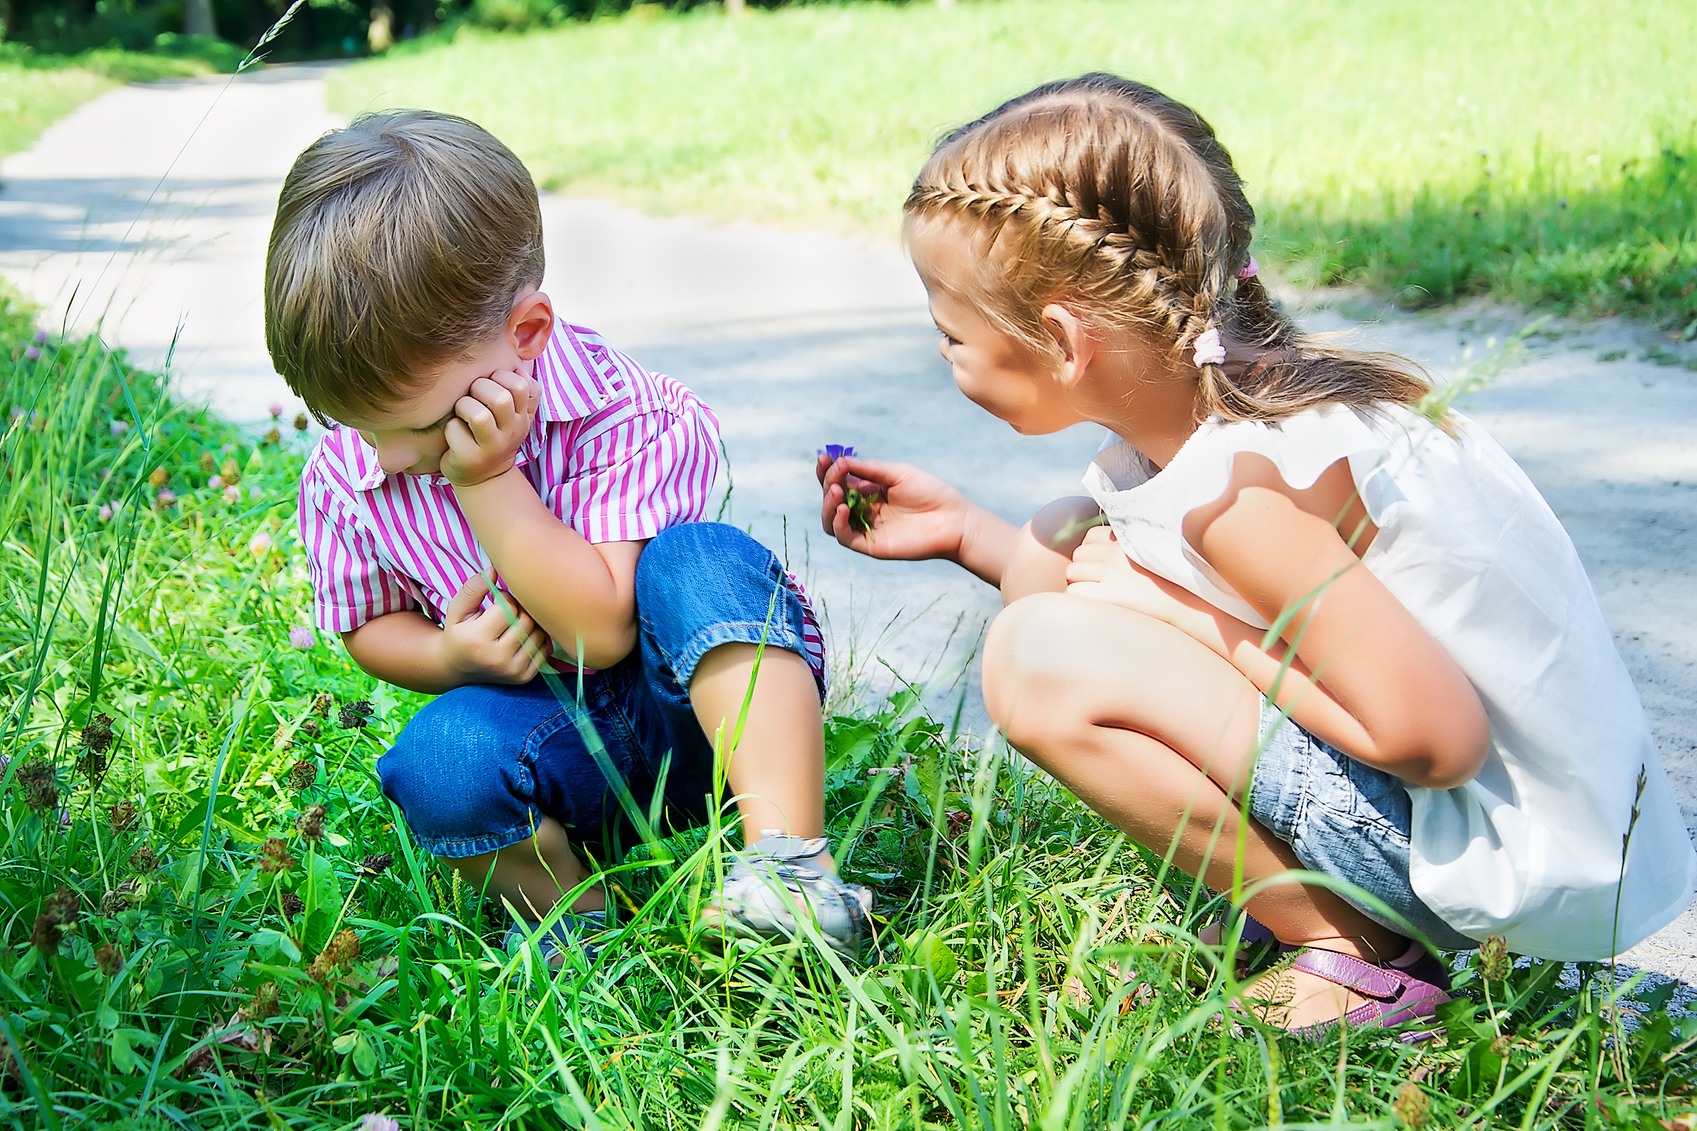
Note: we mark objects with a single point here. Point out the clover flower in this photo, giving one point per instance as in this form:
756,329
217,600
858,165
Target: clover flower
231,472
41,791
232,495
260,544
97,735
40,338
58,911
122,816
165,500
33,353
1494,962
310,728
293,905
124,895
1412,1107
276,411
274,856
105,512
376,864
273,438
158,477
310,824
302,638
301,422
337,954
208,463
119,427
263,1003
301,775
354,716
375,1122
143,860
216,482
321,704
109,959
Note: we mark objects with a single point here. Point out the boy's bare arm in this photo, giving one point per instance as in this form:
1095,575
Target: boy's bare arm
583,595
476,645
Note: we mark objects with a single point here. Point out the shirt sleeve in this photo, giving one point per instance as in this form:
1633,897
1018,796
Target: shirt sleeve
350,584
640,465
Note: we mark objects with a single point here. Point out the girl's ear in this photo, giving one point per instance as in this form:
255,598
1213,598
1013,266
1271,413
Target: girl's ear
531,324
1075,341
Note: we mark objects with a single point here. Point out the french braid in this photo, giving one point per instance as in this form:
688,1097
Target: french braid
1108,195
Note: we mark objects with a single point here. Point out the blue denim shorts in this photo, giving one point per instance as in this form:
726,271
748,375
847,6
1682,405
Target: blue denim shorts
1344,818
479,766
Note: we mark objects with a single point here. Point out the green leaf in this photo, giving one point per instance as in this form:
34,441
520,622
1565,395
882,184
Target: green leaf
106,1017
364,1056
322,890
122,1058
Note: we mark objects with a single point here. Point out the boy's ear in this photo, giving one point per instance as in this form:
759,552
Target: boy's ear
1075,341
531,324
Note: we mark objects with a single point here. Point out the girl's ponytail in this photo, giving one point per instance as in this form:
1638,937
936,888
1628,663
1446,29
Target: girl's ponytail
1106,193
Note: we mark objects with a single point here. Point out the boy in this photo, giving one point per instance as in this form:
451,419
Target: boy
476,440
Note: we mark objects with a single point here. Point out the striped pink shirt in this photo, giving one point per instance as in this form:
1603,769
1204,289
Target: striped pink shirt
618,453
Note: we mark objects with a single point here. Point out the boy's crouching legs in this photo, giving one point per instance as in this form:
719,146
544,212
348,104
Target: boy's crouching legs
707,596
458,773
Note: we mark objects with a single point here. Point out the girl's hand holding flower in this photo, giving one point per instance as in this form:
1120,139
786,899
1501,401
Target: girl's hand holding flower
895,511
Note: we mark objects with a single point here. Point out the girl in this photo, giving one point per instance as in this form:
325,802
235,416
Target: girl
1438,718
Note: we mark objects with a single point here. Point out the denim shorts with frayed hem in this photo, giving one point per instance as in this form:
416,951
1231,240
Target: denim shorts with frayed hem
480,766
1344,818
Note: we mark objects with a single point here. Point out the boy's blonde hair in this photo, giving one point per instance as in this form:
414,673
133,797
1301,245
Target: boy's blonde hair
1109,195
399,244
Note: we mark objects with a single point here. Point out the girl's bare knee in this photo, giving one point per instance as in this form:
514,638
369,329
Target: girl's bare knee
1029,669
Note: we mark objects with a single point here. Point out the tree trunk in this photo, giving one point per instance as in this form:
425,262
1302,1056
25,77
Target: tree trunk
197,17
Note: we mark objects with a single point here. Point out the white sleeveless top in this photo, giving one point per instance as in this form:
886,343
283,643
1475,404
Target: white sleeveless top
1531,848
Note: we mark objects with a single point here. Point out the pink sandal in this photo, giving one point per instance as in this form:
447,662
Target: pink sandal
1399,992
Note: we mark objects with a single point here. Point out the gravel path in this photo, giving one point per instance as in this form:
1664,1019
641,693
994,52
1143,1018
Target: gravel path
798,340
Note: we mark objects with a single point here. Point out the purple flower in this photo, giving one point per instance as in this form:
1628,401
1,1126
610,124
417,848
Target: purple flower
232,494
216,483
17,413
276,410
375,1122
41,337
838,451
165,498
302,637
105,512
33,353
119,427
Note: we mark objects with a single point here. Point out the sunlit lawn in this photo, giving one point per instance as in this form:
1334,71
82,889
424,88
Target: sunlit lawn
1542,152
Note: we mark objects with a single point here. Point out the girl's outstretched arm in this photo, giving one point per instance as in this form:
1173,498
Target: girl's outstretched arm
1406,707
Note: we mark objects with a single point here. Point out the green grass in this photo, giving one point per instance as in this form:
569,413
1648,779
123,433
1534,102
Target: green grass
1541,153
1049,976
36,90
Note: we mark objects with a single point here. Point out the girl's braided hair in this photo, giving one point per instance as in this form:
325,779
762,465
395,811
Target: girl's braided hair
1108,195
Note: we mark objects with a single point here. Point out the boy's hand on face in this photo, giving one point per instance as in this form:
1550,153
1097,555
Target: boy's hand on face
490,423
493,645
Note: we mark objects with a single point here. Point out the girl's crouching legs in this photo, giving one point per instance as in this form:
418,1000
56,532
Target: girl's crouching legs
1156,733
